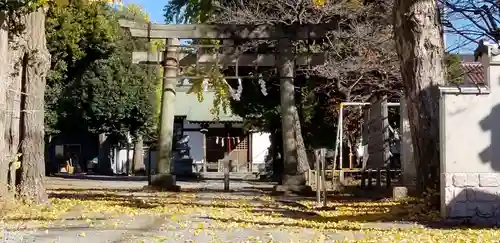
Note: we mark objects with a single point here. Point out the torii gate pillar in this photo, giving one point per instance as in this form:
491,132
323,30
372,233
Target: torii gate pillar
164,179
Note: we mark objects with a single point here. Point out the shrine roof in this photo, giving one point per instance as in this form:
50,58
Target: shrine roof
188,106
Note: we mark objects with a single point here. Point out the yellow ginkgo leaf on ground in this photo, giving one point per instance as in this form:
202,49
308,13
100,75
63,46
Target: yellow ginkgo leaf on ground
373,221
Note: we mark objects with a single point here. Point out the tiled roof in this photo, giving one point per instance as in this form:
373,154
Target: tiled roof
473,73
473,70
188,106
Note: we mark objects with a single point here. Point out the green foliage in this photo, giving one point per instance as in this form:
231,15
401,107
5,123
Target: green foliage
213,76
200,11
21,6
133,12
76,37
454,72
26,6
118,96
215,83
92,85
136,13
189,11
261,112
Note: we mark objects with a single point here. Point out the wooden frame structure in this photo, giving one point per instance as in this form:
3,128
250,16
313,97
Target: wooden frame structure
172,60
261,60
225,31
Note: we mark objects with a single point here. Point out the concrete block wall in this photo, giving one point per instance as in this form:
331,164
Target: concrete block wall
472,196
470,147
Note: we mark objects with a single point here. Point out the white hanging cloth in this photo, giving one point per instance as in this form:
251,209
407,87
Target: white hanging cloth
205,84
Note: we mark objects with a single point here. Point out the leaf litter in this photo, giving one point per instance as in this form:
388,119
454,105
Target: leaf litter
376,221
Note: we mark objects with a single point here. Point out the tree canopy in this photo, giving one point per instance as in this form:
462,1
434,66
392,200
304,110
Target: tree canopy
92,85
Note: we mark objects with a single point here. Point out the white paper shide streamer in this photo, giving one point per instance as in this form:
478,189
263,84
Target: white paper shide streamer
204,85
262,83
237,94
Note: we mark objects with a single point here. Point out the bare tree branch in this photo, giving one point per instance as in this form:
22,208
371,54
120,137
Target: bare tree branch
474,20
361,57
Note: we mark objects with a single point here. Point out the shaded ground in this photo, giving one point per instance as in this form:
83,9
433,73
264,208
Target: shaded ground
120,211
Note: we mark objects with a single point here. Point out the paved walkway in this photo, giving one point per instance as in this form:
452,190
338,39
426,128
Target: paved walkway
192,227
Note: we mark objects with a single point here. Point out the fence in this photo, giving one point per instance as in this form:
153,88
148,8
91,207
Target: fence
368,178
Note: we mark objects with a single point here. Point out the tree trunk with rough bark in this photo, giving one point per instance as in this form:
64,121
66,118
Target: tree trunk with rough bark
294,153
36,63
4,69
138,159
419,43
17,48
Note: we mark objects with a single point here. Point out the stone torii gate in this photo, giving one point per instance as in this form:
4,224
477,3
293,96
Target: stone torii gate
172,60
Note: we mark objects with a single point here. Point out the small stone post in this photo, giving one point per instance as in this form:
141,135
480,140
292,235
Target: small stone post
323,175
149,166
318,176
227,164
408,170
320,157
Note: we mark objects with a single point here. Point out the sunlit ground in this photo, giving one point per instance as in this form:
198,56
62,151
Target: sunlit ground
379,221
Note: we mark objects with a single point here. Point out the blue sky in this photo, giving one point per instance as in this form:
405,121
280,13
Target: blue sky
153,7
155,10
455,42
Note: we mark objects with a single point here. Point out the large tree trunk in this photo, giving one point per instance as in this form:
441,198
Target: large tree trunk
4,69
138,159
17,48
294,154
36,65
419,43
